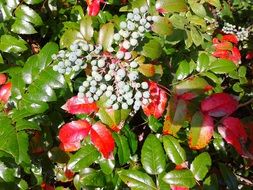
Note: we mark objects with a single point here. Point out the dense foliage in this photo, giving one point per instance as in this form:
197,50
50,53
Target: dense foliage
117,94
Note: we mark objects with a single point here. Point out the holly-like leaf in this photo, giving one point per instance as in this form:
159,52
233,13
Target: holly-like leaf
201,132
123,149
77,105
152,49
102,138
86,28
83,158
137,180
152,156
219,105
201,165
183,178
164,6
158,101
233,132
105,36
10,44
174,150
162,26
72,133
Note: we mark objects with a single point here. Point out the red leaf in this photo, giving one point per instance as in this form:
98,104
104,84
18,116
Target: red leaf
223,46
224,54
234,133
236,55
72,133
102,138
3,78
77,105
249,55
219,105
158,101
201,132
5,92
94,7
230,38
175,187
46,186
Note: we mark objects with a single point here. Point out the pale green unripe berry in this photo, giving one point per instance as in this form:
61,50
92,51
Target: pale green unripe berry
124,106
90,100
143,21
126,44
103,87
144,9
130,16
91,47
78,62
55,67
115,106
81,89
136,11
88,94
144,85
67,63
108,93
130,101
93,83
147,25
120,55
61,64
133,64
146,94
88,57
107,77
85,83
110,88
135,35
116,36
133,42
95,97
76,68
68,70
78,52
112,66
113,97
145,101
101,63
130,25
123,25
127,56
93,62
137,17
141,29
80,95
93,89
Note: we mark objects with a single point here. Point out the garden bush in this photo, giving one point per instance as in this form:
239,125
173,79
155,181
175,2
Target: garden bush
117,94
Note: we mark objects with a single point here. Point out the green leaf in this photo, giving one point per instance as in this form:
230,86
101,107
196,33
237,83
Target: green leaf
22,27
213,77
215,3
131,137
203,62
69,37
154,124
152,49
152,156
123,148
196,36
228,176
162,184
211,183
7,174
174,150
83,158
22,139
197,8
86,28
171,5
178,21
137,180
183,70
107,165
10,44
105,36
201,165
23,124
222,66
162,26
32,2
183,178
27,14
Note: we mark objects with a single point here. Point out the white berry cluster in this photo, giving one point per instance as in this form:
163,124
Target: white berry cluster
76,58
113,76
137,23
240,32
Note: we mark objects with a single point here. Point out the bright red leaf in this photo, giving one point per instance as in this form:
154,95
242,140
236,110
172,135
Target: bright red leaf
3,78
234,133
102,138
72,133
230,38
5,92
219,105
223,46
158,101
77,105
175,187
94,7
201,132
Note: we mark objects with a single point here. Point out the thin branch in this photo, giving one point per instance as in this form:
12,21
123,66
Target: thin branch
245,103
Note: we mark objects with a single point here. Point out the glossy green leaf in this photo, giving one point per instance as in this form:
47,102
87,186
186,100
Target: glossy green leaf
153,156
213,77
222,66
161,183
105,36
171,5
181,178
27,14
107,165
178,21
137,180
183,70
23,139
7,174
123,148
152,49
69,37
174,150
22,27
228,176
215,3
196,36
197,8
10,44
203,62
201,165
154,124
162,26
32,2
211,183
83,158
131,137
23,124
86,28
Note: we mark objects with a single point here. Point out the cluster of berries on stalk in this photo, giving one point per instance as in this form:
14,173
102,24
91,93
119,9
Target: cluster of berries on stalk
114,74
241,32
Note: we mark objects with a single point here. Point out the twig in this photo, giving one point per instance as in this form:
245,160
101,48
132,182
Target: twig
245,103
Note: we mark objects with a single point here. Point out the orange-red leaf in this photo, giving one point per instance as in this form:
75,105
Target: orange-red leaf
77,105
158,101
3,78
219,105
72,133
102,138
176,187
223,46
230,38
5,92
201,132
234,133
93,7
